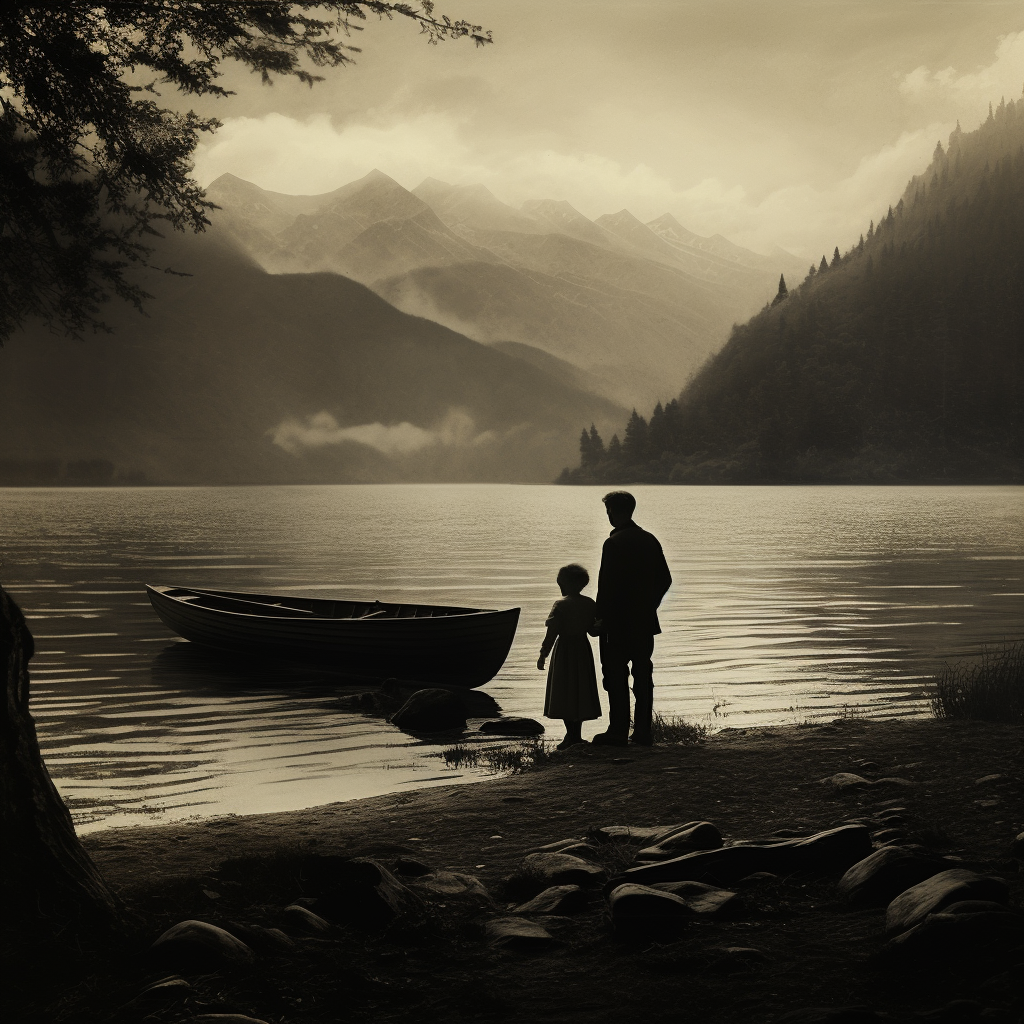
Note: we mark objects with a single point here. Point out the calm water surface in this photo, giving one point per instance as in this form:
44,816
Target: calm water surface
789,604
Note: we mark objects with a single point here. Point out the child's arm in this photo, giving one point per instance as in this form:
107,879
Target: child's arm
549,637
596,628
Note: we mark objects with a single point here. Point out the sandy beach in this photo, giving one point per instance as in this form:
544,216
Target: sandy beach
958,794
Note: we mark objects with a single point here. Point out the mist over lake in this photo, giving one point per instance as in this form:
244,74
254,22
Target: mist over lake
789,605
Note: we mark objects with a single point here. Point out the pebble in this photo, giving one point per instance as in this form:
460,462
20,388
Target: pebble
549,869
700,836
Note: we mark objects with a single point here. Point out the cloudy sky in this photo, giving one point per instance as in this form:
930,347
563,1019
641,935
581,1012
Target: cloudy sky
773,122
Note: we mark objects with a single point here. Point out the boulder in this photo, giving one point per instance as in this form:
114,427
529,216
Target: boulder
197,945
701,836
163,993
513,727
517,933
452,887
700,898
837,847
944,939
541,871
559,899
433,710
844,781
880,877
644,835
475,703
303,920
558,847
758,878
934,894
978,907
640,910
409,867
263,940
366,895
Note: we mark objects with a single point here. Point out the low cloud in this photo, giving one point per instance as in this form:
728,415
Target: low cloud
321,430
969,93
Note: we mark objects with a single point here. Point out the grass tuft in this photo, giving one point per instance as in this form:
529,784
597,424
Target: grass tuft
675,729
991,690
460,756
510,757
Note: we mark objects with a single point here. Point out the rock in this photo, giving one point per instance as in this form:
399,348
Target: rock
880,877
978,907
1017,847
197,945
162,993
410,868
517,933
701,836
988,780
475,703
433,710
843,781
700,898
371,702
263,940
837,847
559,899
889,835
830,1015
558,847
641,834
584,850
541,871
365,894
945,939
939,891
642,910
756,879
302,919
452,886
513,727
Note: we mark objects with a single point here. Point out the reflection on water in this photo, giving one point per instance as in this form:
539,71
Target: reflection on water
788,604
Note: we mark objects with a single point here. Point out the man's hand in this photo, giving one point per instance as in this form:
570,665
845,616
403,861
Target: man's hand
540,662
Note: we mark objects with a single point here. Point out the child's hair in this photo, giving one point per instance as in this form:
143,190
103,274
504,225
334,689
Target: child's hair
572,577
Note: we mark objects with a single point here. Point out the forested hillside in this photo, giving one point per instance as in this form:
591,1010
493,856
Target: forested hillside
900,360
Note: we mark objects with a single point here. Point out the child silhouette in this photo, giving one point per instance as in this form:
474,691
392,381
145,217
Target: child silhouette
572,682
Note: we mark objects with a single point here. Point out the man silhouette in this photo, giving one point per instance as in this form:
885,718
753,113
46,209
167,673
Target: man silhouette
633,579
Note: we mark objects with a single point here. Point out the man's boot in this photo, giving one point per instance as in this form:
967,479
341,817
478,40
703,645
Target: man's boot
618,719
643,712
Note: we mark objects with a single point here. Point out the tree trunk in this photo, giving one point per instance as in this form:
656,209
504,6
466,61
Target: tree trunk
48,880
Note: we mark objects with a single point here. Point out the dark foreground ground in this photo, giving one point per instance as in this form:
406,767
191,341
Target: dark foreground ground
810,949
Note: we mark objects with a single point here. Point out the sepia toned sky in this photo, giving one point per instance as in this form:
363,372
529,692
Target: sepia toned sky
773,122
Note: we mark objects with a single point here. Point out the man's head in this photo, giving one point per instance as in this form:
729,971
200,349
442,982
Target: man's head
619,505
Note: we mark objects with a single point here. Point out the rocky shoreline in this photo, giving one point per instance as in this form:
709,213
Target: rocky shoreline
855,871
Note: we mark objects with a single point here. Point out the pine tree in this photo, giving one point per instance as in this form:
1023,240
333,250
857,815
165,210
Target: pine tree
823,266
836,258
586,456
596,444
783,291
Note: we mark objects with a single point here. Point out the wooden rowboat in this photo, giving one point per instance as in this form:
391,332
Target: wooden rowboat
412,642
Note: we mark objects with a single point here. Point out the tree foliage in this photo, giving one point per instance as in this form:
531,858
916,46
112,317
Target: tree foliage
92,166
903,360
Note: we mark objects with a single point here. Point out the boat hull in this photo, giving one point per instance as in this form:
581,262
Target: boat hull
460,647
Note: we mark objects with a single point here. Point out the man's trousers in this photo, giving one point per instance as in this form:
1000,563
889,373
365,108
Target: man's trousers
620,651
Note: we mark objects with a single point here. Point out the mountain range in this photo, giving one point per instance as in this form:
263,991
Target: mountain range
236,375
635,307
901,360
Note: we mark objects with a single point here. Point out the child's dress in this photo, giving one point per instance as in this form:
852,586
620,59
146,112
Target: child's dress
572,682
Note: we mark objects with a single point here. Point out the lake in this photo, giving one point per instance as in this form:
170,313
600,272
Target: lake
790,604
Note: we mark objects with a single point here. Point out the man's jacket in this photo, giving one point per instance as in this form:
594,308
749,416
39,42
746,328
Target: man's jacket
633,580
